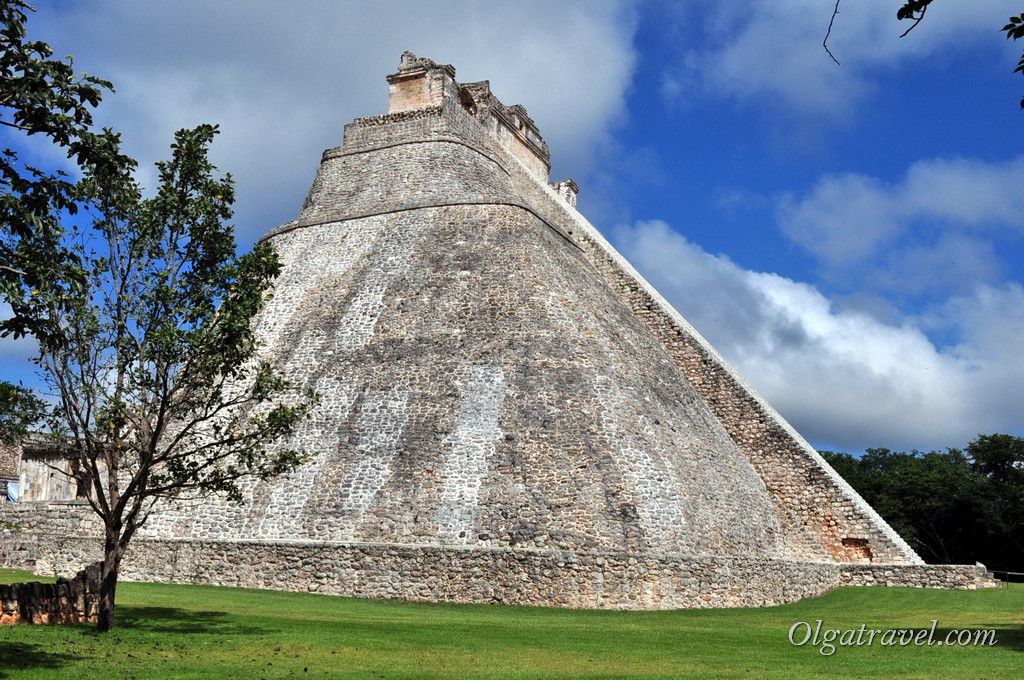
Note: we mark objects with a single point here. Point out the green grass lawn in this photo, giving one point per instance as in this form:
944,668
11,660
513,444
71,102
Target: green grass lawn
206,632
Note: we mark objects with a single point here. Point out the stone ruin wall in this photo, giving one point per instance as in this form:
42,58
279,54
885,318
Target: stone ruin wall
66,601
10,456
426,573
496,575
46,478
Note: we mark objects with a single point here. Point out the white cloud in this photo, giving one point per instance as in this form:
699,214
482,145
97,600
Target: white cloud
842,376
969,192
951,263
929,230
283,78
773,48
844,219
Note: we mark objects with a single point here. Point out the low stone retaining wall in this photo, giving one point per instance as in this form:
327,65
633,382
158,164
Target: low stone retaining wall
433,573
952,576
479,575
66,601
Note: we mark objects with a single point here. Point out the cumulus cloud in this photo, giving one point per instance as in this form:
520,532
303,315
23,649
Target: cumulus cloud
841,376
949,264
938,219
772,48
844,219
282,79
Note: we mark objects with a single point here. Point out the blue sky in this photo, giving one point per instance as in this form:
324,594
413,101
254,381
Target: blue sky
850,237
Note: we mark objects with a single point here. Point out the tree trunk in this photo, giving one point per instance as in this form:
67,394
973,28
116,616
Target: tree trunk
112,554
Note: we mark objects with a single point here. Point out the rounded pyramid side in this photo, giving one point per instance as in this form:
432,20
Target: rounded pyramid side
482,386
369,227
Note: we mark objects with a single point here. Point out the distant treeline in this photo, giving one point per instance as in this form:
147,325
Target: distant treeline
954,507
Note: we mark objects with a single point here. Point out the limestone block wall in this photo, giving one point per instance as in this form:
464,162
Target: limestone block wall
45,478
952,576
407,93
541,577
469,575
364,182
495,575
444,156
515,143
805,488
483,386
65,539
76,519
449,120
10,456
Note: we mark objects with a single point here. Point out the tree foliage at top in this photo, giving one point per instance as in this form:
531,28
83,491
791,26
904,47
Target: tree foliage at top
915,10
43,97
1014,31
20,409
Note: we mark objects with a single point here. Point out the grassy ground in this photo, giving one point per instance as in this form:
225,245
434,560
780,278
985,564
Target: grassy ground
205,632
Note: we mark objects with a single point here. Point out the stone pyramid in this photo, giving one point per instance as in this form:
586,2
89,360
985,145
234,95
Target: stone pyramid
509,412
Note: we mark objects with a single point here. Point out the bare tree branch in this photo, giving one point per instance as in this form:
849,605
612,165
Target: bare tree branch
824,43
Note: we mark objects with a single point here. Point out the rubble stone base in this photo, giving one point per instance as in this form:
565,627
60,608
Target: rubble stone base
481,575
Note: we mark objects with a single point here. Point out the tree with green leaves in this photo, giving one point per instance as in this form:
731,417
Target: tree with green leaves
1000,458
953,507
20,409
142,310
42,97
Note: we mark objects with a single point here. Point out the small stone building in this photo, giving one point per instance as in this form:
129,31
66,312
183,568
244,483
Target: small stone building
39,470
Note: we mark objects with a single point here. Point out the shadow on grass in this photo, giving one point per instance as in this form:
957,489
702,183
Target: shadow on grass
22,656
1006,637
181,622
